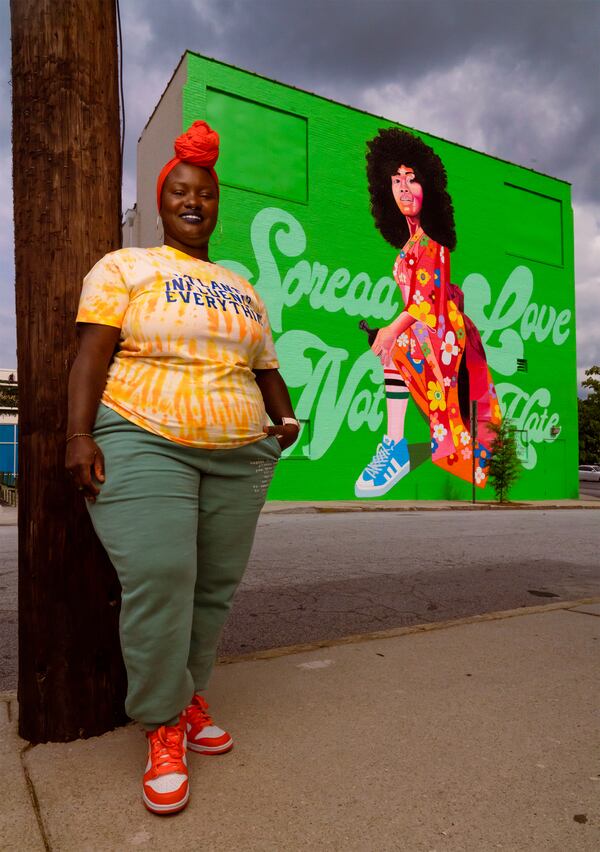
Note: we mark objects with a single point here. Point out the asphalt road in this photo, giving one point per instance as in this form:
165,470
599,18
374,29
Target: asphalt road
322,576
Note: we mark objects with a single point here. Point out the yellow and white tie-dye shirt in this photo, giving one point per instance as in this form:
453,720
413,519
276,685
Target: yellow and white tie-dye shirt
192,333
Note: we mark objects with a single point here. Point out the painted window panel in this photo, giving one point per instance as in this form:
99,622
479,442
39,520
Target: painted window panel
8,448
533,225
269,153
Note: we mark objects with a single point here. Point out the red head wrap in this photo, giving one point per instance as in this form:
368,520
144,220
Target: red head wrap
199,145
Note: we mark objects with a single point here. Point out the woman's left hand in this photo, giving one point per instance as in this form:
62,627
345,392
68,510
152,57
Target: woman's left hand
286,435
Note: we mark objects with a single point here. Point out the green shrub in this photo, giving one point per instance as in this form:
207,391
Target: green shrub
505,467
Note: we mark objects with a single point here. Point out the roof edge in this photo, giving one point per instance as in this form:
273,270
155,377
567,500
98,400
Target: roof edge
362,111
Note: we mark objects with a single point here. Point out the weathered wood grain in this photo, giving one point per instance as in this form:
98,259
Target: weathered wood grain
67,185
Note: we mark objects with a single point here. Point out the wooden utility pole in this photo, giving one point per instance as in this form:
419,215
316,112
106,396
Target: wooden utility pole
67,187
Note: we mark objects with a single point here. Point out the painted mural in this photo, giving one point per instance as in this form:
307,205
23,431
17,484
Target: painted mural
311,247
431,352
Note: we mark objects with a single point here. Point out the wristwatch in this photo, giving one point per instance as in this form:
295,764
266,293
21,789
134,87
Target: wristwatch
285,421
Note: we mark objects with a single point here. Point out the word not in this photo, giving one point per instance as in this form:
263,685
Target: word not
321,400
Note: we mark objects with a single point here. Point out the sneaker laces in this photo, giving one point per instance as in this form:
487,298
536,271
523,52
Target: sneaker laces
197,713
380,460
167,750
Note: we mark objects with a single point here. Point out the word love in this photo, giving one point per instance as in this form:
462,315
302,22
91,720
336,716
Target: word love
513,306
276,237
316,368
529,415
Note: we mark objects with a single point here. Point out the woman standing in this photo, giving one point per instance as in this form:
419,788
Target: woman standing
168,400
422,350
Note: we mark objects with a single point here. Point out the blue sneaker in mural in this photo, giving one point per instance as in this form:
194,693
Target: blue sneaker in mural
390,463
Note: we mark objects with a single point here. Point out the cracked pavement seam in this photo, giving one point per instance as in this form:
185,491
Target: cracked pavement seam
34,799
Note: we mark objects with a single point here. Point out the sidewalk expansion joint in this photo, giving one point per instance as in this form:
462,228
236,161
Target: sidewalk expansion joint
584,612
397,632
34,799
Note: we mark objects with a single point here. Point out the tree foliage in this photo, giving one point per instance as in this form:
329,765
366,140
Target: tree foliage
589,418
505,467
9,395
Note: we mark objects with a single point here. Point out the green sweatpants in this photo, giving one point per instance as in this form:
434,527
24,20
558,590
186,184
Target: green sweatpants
178,525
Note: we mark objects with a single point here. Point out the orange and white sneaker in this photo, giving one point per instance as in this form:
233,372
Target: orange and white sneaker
203,735
165,787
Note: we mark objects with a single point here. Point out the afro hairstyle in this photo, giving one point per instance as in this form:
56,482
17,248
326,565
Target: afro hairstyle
387,151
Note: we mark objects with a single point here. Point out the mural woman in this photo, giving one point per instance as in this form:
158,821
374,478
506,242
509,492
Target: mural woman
431,352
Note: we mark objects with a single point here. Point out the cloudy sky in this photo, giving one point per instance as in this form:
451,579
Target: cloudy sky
519,80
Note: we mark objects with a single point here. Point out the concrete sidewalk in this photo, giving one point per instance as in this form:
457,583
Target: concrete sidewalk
461,737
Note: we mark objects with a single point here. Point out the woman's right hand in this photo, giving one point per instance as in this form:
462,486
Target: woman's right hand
97,344
84,457
384,343
387,336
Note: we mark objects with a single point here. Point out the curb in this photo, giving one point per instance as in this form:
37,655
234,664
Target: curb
312,509
395,632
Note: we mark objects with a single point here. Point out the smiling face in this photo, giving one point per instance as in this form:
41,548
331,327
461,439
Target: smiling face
407,191
189,208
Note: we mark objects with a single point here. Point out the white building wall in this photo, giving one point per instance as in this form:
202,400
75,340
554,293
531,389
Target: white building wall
155,148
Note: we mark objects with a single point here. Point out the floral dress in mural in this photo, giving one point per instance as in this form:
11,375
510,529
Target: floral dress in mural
429,353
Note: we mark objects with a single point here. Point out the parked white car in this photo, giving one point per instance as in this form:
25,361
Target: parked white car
589,472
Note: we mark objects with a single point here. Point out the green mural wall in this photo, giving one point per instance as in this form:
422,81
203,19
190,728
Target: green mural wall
296,222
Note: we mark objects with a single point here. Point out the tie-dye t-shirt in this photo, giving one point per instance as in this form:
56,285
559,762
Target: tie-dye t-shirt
192,333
